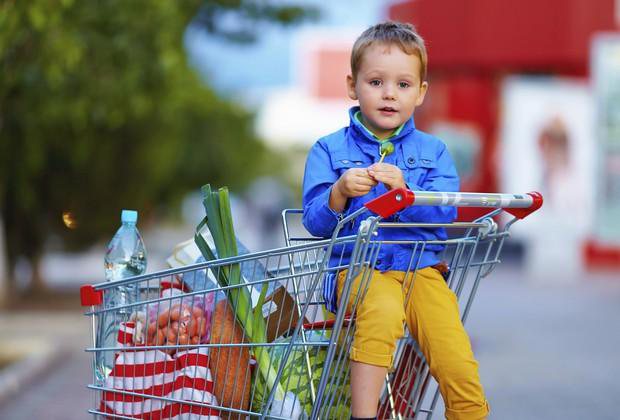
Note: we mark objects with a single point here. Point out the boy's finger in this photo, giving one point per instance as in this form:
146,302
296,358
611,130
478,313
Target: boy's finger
371,172
381,167
367,182
380,175
366,176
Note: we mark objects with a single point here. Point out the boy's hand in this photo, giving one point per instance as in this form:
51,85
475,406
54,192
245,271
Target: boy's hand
390,175
355,182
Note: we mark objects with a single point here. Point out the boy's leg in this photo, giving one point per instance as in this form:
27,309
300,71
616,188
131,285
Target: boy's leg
366,383
379,323
434,321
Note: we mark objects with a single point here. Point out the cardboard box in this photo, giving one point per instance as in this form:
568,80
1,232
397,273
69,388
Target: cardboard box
280,313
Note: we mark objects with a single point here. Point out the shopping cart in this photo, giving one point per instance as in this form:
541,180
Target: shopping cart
307,346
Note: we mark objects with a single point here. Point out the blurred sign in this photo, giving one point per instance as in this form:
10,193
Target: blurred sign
606,81
547,145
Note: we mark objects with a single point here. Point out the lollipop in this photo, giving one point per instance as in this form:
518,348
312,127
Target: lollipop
386,148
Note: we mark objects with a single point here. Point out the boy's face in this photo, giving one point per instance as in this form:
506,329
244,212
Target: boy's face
388,87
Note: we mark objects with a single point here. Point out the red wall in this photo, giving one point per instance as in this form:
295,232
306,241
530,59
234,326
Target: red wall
473,44
507,35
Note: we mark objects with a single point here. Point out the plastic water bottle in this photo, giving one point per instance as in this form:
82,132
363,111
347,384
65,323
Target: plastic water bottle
125,257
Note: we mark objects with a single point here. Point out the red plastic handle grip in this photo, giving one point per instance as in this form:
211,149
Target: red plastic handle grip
90,297
391,202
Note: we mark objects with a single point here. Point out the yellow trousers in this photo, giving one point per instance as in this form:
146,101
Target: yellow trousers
432,315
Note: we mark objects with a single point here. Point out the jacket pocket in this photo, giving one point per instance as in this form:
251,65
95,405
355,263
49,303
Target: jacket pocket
417,168
343,162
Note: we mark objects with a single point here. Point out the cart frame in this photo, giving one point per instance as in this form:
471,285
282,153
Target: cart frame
300,267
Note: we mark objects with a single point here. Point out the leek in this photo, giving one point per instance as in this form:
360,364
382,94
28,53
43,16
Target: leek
220,224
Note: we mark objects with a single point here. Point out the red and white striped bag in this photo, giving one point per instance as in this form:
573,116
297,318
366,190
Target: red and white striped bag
184,377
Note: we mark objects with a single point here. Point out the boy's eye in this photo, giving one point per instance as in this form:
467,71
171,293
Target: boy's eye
375,82
403,85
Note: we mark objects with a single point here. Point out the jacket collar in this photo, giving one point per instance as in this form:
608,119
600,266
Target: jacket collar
363,136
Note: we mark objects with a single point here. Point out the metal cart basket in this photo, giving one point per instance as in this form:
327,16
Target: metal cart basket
213,375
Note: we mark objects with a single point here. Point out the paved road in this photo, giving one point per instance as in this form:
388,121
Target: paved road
547,351
55,389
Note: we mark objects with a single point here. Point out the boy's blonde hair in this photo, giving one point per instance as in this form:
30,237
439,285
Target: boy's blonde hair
402,34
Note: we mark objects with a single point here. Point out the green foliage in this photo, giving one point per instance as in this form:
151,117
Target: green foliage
100,110
214,16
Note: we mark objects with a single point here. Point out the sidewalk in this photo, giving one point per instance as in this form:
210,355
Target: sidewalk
49,380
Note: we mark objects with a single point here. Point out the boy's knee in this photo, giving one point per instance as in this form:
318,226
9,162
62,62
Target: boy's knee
385,314
378,328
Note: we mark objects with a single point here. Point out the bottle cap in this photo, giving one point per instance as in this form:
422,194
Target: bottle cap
129,216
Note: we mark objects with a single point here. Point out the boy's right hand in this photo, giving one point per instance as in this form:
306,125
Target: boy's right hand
355,182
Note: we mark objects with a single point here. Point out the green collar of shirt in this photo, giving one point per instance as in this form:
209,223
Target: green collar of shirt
358,117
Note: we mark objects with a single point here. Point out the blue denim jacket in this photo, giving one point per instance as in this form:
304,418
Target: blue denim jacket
426,166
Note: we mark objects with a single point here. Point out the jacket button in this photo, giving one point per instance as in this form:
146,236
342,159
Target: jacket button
410,161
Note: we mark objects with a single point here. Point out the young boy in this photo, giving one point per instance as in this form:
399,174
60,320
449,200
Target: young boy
343,171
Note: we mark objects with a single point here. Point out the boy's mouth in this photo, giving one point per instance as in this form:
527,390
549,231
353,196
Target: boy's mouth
387,110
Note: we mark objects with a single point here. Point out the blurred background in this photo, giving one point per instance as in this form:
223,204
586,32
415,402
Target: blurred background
116,104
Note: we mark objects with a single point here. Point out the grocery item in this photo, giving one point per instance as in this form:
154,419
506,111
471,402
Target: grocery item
125,257
139,377
219,221
179,320
229,365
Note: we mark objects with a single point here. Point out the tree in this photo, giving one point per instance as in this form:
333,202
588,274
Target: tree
99,110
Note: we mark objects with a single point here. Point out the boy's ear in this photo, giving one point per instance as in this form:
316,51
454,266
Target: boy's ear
423,89
351,87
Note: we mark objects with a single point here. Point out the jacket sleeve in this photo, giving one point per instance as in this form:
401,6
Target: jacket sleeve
319,177
441,178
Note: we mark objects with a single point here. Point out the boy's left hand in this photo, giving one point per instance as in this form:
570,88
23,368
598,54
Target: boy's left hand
389,174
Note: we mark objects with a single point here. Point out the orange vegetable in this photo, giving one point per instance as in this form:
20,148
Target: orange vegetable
202,327
193,327
230,366
163,318
161,338
197,312
171,336
183,339
175,313
151,331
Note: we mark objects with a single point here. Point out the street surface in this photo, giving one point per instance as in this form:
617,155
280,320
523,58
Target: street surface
547,350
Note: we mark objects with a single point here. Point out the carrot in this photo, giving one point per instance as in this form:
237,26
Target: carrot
229,365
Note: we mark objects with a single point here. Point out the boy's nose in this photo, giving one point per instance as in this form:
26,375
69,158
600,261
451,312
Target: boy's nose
388,93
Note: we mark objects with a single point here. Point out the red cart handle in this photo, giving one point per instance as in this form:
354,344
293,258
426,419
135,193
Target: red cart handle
89,296
519,205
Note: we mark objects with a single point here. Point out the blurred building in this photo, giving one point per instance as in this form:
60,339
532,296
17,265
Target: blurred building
316,101
502,74
507,78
